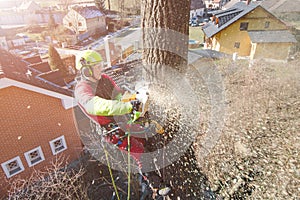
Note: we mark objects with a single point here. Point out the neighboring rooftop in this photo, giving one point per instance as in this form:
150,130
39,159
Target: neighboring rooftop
197,4
15,68
227,17
282,5
33,59
88,12
27,4
271,36
40,75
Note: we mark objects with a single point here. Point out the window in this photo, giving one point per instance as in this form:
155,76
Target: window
70,24
237,45
79,24
12,167
267,24
244,26
34,156
58,145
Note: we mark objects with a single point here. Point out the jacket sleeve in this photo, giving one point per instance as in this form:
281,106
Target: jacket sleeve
118,92
95,105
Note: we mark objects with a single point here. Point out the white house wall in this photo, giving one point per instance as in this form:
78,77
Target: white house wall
92,25
197,12
74,18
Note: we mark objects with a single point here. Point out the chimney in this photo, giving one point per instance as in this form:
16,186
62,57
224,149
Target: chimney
248,2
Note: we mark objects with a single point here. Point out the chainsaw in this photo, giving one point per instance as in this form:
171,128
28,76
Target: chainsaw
140,95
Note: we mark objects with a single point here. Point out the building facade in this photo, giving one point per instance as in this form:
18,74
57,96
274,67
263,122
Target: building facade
37,122
85,20
248,30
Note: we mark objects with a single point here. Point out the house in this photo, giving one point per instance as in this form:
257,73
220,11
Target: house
289,12
16,41
33,59
214,4
126,7
37,123
197,8
229,3
29,7
248,29
86,21
39,67
281,6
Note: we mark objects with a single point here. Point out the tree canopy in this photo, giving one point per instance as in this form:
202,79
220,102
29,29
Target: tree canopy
100,4
56,62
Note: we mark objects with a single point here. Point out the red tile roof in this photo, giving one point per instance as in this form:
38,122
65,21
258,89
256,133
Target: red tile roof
15,68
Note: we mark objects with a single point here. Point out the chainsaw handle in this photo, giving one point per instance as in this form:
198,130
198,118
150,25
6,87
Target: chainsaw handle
125,87
135,105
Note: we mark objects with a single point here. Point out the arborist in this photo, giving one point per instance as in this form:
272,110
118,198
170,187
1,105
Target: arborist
99,97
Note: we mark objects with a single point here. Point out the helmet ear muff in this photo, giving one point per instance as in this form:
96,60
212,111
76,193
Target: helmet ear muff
84,62
86,72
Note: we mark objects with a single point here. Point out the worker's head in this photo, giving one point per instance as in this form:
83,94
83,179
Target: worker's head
90,64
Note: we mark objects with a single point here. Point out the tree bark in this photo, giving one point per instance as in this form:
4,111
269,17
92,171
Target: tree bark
165,32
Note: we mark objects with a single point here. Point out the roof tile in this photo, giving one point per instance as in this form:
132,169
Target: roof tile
237,11
278,36
15,68
89,12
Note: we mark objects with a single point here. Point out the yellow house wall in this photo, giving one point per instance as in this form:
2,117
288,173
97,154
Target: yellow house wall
232,34
276,51
258,17
216,43
224,40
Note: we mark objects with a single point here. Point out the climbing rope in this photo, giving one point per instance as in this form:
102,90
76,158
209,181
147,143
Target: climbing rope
110,173
129,169
127,134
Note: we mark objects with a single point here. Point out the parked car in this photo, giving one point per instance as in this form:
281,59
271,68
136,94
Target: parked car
195,21
204,21
193,24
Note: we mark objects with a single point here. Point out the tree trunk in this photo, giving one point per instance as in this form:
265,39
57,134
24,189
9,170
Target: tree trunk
165,48
165,33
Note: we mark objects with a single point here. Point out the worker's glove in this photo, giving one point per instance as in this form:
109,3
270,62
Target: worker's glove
136,115
135,105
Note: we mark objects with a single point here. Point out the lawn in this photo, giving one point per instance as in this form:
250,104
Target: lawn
195,33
